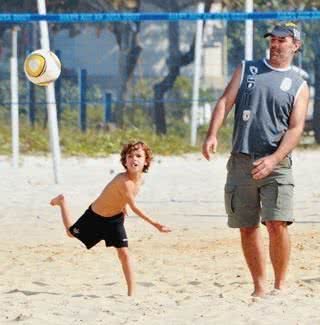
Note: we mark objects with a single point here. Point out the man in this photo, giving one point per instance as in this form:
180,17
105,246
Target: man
271,102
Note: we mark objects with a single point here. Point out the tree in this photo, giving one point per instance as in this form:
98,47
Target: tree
175,61
125,33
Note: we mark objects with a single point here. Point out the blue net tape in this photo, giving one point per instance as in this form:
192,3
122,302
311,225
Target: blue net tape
172,16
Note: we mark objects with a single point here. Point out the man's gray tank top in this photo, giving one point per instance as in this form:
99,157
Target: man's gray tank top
263,106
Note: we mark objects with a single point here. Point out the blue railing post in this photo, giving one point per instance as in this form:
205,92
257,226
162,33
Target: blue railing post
82,82
57,86
31,107
31,103
107,108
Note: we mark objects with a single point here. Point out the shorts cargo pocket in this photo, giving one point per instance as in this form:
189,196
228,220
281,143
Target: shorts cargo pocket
286,163
284,194
229,191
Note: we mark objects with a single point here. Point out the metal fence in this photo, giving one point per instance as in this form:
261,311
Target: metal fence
103,75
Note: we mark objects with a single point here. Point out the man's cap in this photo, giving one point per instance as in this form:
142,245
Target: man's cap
288,29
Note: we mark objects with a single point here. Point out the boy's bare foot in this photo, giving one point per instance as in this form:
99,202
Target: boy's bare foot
57,200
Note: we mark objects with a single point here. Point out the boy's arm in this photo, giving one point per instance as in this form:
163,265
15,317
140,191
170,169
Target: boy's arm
132,204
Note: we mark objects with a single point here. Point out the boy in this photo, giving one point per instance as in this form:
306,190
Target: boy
104,219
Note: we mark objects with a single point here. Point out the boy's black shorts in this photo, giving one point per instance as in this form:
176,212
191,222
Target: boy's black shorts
91,228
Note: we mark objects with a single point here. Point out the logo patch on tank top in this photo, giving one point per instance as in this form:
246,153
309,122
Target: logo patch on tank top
253,70
246,115
251,81
251,78
286,84
251,84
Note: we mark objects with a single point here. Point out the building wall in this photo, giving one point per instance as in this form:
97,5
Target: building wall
98,53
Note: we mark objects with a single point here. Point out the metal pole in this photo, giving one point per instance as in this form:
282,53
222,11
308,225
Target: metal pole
248,54
107,108
31,103
29,85
51,100
82,117
14,81
196,77
57,89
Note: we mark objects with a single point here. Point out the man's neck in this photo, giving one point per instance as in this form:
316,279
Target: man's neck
279,64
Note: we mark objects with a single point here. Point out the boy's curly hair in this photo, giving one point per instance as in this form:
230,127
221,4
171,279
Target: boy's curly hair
135,145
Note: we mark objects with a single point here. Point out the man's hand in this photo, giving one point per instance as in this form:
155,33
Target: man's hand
264,167
209,146
162,228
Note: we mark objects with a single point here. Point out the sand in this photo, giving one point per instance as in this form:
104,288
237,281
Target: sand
194,275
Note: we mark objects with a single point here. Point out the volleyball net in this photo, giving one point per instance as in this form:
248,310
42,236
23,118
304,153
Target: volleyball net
137,69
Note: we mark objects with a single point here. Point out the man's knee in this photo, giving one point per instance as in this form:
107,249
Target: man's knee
249,231
276,227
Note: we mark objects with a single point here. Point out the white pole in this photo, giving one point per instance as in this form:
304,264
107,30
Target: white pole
51,99
14,81
196,77
249,32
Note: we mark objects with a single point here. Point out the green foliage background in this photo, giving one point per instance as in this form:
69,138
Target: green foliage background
101,140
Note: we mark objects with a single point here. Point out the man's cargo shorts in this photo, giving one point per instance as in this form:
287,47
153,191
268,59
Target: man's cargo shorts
249,201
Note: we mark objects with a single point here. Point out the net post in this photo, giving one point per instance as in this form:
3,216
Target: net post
51,100
196,77
82,117
249,32
14,80
107,108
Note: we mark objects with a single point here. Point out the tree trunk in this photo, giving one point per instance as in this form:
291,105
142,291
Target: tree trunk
159,92
175,62
129,52
159,110
160,89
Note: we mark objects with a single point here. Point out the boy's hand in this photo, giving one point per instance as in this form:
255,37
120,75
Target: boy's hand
162,228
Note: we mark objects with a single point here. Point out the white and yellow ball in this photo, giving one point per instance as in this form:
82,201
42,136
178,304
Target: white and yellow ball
42,67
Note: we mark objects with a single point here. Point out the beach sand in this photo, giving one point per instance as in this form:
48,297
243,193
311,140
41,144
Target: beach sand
193,275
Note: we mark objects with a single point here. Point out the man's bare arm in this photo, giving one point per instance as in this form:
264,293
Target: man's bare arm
221,110
296,125
264,166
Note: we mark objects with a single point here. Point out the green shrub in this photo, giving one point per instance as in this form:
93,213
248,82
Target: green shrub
95,142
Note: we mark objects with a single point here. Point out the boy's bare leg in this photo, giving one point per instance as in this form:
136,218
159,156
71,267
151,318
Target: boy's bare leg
65,212
252,247
127,268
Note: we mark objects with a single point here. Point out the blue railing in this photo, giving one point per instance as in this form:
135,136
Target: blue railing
170,16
